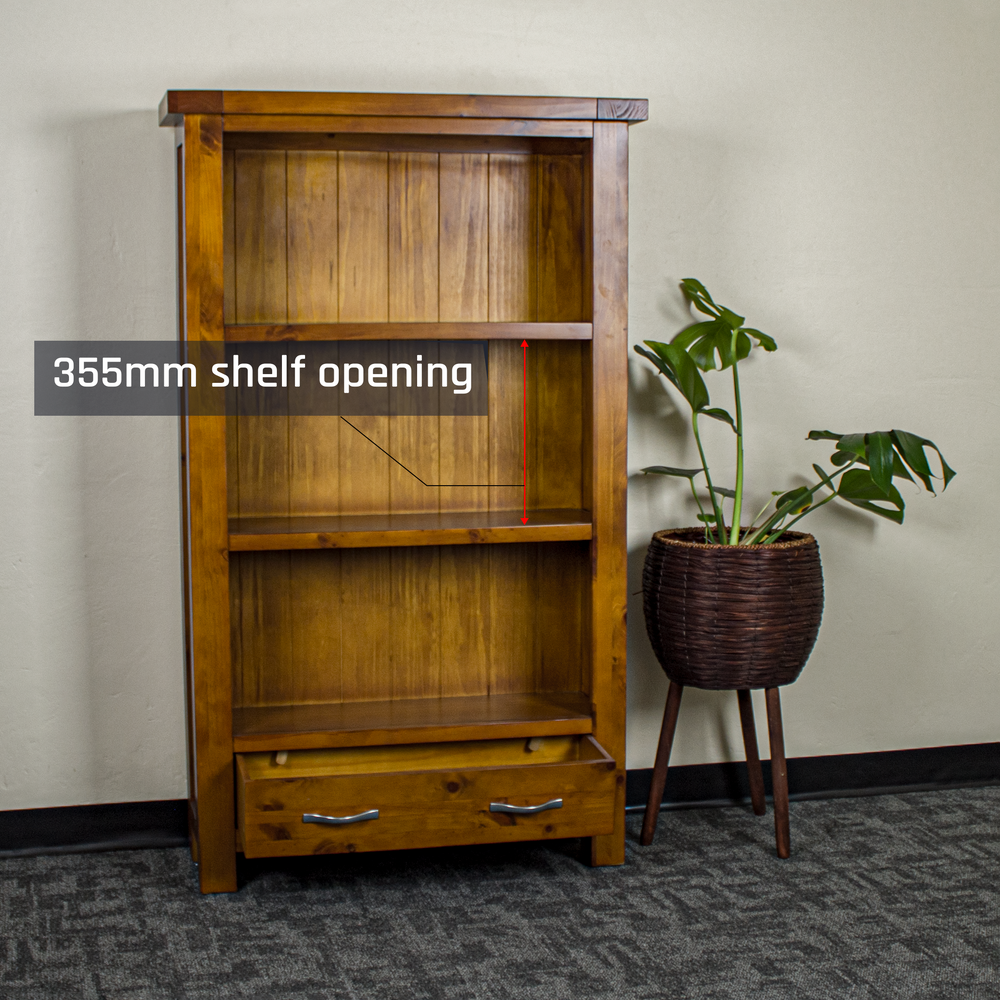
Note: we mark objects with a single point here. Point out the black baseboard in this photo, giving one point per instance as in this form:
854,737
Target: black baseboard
112,826
828,777
121,825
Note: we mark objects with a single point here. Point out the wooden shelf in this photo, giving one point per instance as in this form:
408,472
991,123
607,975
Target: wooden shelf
409,331
365,531
380,723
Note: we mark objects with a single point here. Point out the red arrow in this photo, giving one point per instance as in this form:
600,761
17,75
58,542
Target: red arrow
524,344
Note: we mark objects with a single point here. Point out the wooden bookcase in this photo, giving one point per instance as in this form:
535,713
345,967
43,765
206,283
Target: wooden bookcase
407,648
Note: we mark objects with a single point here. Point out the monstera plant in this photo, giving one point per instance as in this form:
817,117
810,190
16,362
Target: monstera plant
736,606
863,464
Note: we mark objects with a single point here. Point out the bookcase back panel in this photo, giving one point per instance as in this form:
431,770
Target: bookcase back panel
280,465
400,623
320,236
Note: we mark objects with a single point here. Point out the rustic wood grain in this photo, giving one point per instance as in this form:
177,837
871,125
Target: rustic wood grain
410,331
378,723
207,514
609,437
549,128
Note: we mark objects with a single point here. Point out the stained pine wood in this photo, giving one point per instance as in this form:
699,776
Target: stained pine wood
357,606
401,624
393,142
180,102
379,723
608,441
205,470
425,796
410,331
463,298
413,126
373,530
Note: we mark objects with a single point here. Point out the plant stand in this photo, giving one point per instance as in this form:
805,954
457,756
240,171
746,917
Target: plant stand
779,768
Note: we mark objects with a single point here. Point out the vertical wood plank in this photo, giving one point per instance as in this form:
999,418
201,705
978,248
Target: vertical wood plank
608,459
316,627
265,608
413,296
363,292
560,238
506,425
557,427
207,515
563,587
513,237
261,297
313,273
366,624
513,589
464,297
466,616
313,282
415,658
229,235
261,292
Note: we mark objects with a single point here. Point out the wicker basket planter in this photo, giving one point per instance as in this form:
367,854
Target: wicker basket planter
728,617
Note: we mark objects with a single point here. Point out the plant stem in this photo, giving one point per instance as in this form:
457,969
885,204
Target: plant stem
734,537
701,510
777,534
719,520
780,514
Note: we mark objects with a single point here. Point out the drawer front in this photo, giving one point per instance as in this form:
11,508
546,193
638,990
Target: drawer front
431,808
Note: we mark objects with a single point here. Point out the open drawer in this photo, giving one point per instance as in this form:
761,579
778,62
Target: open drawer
423,795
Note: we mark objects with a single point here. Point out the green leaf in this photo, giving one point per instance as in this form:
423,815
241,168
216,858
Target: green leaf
717,413
663,368
880,455
666,470
911,449
797,500
707,518
706,341
730,318
724,491
841,457
854,444
689,380
857,487
699,295
823,436
824,478
762,338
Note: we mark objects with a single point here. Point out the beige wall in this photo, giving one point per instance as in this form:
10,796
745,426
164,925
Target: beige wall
828,168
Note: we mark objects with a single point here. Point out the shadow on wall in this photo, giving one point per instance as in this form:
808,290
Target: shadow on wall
131,727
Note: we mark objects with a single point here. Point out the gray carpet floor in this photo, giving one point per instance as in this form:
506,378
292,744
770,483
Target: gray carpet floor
890,896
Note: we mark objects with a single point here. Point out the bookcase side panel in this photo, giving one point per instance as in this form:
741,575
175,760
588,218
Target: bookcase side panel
207,541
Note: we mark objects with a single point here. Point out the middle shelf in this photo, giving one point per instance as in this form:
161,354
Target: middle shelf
411,720
357,531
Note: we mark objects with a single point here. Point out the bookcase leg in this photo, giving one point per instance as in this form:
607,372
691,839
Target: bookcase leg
610,848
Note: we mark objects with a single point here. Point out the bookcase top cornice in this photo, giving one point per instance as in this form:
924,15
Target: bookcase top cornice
177,103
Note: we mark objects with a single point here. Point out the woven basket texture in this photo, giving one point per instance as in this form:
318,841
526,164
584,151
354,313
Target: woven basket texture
727,616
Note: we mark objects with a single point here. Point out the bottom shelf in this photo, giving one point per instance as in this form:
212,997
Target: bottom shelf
380,723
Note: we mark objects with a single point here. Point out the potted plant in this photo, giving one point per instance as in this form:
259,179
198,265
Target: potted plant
732,605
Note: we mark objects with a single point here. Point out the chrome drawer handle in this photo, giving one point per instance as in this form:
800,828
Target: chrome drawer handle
503,807
339,820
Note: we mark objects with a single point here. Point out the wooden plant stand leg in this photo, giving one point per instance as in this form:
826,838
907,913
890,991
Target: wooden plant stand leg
779,773
662,759
754,772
